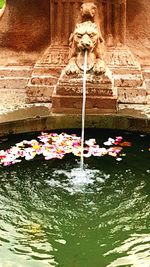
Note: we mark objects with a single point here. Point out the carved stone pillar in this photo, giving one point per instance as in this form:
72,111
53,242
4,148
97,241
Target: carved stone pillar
63,14
119,21
113,20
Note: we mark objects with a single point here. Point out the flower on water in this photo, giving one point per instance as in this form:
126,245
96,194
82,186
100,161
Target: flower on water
118,159
118,139
55,145
90,142
110,142
125,144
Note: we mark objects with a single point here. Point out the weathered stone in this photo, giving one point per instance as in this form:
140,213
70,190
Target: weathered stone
44,70
43,80
78,90
13,82
148,99
40,91
132,95
38,99
86,36
100,85
147,84
25,25
128,81
15,71
146,73
29,26
12,96
73,104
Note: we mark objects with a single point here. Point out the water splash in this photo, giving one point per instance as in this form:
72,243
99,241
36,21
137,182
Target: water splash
83,110
76,180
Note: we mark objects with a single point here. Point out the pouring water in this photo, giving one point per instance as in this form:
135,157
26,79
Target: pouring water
83,111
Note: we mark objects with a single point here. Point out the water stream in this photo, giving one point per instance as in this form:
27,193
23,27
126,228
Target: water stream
83,110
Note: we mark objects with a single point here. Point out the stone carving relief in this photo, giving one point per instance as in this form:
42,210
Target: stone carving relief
89,12
86,36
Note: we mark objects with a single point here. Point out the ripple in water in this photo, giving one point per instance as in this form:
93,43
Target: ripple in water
77,180
52,214
137,248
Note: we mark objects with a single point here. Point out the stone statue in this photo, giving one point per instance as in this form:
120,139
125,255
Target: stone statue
89,12
86,37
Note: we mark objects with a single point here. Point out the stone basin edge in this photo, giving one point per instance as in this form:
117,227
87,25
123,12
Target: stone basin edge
63,121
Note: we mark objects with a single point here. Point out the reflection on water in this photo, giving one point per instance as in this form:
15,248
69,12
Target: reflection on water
52,214
137,249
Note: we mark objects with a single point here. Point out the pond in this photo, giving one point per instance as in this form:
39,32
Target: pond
50,216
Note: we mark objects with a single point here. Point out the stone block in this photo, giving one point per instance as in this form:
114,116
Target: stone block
73,104
43,80
13,82
147,84
40,91
132,95
12,97
100,85
46,71
38,99
70,89
124,70
148,99
146,73
15,71
39,94
128,81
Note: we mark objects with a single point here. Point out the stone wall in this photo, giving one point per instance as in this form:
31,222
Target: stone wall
24,24
138,28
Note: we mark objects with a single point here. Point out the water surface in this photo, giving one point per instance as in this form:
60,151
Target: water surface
52,215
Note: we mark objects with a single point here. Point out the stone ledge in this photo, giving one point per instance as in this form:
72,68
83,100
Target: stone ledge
15,71
132,95
128,80
13,82
74,104
61,121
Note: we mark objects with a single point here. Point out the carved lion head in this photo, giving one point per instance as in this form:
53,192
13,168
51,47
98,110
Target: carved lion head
85,36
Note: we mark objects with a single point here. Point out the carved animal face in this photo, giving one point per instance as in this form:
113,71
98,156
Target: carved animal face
86,36
88,10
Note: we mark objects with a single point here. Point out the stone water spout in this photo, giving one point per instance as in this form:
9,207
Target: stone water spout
86,37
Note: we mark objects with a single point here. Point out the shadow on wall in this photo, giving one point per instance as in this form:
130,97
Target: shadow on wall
134,7
138,26
24,25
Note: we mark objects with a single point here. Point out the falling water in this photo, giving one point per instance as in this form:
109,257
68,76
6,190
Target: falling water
83,110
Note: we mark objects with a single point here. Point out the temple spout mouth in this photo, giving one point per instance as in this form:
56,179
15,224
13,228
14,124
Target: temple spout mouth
85,50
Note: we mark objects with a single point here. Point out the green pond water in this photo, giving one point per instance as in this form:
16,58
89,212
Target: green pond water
52,216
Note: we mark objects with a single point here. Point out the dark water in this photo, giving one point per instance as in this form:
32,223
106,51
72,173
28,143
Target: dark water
48,217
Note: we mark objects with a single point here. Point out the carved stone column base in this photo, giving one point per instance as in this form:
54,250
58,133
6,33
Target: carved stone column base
128,77
46,73
67,96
